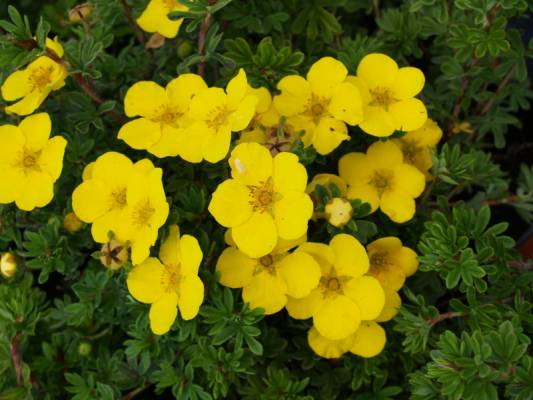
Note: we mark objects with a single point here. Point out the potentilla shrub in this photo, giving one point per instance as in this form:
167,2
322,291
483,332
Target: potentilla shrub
205,199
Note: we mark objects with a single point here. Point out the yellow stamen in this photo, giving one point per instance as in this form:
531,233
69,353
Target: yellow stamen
143,213
381,97
261,196
41,77
382,181
220,117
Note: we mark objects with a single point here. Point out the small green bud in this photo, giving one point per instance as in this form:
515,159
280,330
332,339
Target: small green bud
184,48
84,348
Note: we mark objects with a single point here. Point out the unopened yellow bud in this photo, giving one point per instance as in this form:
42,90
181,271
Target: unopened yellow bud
80,12
338,212
462,127
113,254
72,223
8,265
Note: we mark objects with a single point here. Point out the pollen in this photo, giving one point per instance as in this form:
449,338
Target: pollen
168,116
410,150
171,278
379,262
317,107
143,213
381,97
29,160
41,77
219,118
261,196
382,181
118,198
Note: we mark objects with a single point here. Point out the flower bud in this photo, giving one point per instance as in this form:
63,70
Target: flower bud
8,265
113,255
338,212
80,12
72,223
184,49
84,348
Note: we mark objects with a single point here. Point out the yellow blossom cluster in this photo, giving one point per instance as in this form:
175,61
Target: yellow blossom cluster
266,203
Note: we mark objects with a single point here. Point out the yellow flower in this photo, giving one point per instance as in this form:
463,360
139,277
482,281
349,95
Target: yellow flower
80,12
101,198
381,178
345,295
8,265
267,281
320,104
388,95
326,180
171,283
338,212
393,301
31,162
164,115
368,341
33,83
217,114
390,262
145,212
417,145
155,18
72,223
260,130
264,200
113,254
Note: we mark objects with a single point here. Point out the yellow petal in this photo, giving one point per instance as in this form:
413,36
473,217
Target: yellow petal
257,236
328,135
251,163
12,140
407,260
140,134
384,155
325,75
55,46
237,89
377,70
328,348
113,168
360,84
163,313
267,291
51,160
377,121
326,180
387,244
322,253
284,245
191,296
230,204
154,19
294,97
243,114
306,306
208,103
11,184
170,250
346,104
410,180
369,340
337,317
216,146
17,85
145,281
90,200
409,114
355,169
368,294
409,82
192,141
36,129
235,268
37,191
393,302
191,254
108,222
292,213
88,171
366,193
140,244
264,99
144,98
288,174
350,255
170,142
181,90
256,135
398,206
428,135
144,166
300,272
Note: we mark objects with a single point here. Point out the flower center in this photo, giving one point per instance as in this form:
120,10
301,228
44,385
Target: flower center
28,160
220,117
168,116
41,77
171,278
379,262
381,97
382,181
317,107
410,150
331,285
143,213
266,263
118,198
261,196
170,4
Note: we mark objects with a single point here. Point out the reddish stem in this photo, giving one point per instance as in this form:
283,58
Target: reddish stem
17,359
451,314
